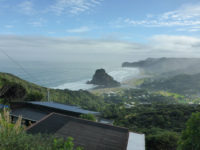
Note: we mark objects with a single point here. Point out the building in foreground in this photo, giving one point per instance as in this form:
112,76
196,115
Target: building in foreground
87,134
63,121
32,112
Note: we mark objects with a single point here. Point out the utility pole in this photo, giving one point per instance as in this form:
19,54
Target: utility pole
48,95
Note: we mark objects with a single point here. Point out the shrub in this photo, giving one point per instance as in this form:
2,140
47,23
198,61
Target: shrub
13,137
34,96
164,140
191,135
90,117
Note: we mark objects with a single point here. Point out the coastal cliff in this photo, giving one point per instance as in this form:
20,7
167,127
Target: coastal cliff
167,66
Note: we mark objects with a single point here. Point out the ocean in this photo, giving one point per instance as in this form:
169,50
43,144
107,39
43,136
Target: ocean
64,74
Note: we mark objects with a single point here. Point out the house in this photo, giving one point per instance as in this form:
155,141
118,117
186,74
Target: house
87,134
32,112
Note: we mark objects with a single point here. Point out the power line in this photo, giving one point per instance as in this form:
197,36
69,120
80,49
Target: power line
19,65
24,70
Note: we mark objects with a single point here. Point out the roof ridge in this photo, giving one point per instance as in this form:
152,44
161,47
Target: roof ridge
85,120
45,117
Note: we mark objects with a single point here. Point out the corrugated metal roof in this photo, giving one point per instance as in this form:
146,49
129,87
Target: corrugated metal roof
64,107
28,113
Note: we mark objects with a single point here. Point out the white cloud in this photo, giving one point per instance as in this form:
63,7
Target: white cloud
176,44
185,16
189,29
79,30
183,13
37,23
67,49
9,26
51,32
73,6
81,49
26,8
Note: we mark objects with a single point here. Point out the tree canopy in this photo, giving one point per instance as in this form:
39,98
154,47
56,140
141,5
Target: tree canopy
190,138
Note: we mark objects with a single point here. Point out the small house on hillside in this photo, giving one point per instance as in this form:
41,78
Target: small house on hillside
87,134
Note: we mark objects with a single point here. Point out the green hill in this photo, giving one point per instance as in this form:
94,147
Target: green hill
81,98
167,66
182,84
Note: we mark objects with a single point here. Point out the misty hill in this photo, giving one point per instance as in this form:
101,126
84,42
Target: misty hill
167,66
182,84
102,79
81,98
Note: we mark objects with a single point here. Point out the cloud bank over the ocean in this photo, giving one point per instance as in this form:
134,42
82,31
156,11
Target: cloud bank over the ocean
82,49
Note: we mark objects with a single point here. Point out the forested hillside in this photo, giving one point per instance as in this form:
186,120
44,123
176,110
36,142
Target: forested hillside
182,84
167,66
24,91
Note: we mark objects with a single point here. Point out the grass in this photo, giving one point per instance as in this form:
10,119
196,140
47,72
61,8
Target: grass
7,126
99,92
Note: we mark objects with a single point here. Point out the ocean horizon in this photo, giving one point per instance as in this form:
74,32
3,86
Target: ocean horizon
65,75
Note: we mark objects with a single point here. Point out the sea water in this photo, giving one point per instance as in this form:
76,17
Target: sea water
64,74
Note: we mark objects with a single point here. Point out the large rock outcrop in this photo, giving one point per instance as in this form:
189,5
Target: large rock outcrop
102,79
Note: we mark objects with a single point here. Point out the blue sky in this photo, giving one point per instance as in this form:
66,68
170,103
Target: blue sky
132,20
127,28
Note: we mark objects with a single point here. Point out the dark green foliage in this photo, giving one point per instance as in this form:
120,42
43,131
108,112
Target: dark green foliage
24,141
169,117
34,96
162,124
90,117
162,140
12,91
61,144
190,138
114,111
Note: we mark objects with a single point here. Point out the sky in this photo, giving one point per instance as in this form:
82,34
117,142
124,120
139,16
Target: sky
83,29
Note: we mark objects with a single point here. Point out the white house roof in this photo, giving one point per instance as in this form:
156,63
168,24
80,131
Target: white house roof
136,141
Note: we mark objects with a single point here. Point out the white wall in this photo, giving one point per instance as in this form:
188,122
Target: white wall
136,141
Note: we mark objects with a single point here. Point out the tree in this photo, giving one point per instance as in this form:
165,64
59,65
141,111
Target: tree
162,140
88,117
12,91
34,96
190,138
